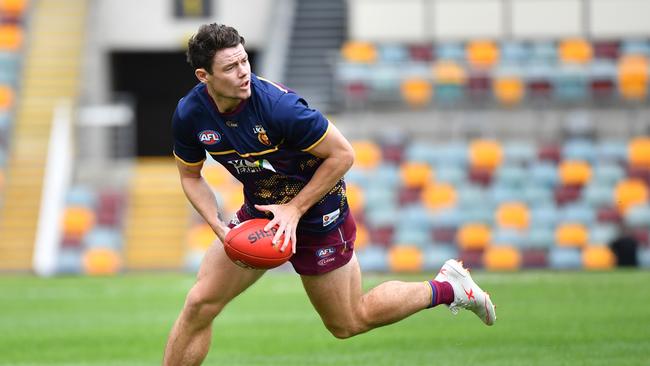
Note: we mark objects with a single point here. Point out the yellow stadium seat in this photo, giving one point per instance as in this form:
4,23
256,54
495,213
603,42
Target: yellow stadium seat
101,261
630,192
355,197
415,175
639,152
633,77
6,97
438,196
576,51
513,215
405,259
367,154
598,258
509,90
11,37
13,8
363,237
482,54
216,175
574,172
502,258
359,52
201,237
416,92
77,220
571,235
485,154
474,236
449,72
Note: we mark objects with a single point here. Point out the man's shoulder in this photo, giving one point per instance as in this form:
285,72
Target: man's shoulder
270,92
190,103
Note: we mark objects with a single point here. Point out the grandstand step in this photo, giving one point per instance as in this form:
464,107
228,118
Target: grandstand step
71,62
61,71
53,53
158,216
36,82
153,203
22,264
20,242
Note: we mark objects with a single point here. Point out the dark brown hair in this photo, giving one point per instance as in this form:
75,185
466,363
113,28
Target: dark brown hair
207,41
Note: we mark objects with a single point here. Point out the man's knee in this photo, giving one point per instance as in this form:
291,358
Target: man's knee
199,308
355,324
345,330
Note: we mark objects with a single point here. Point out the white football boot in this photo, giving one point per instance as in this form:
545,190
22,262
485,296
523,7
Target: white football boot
467,294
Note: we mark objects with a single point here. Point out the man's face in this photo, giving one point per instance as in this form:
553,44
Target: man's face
231,74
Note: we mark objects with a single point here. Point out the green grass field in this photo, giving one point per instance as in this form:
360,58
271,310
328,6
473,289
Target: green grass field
544,318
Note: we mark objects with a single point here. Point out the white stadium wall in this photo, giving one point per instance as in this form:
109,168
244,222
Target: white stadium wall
151,25
547,19
388,20
450,20
620,18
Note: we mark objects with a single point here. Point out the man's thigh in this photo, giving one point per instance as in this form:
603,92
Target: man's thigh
336,294
219,279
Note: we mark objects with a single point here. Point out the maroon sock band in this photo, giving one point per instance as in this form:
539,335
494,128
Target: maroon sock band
443,293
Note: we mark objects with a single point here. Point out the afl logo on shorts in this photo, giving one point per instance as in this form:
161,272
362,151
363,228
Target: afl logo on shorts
209,137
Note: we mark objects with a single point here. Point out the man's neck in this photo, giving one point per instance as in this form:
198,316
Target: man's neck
224,105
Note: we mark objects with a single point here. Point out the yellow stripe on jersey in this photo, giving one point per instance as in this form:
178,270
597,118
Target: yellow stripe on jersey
245,155
320,139
187,163
274,84
222,152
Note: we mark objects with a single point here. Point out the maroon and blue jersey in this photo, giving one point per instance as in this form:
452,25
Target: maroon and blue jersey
265,144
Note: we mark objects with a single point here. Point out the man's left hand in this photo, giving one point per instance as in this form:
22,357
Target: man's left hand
286,218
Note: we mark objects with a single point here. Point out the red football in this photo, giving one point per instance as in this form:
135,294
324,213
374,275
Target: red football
249,246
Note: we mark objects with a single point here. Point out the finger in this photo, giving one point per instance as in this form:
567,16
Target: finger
287,237
293,241
278,234
262,207
271,224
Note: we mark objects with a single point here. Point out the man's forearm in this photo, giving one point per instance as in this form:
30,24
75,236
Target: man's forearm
328,173
200,195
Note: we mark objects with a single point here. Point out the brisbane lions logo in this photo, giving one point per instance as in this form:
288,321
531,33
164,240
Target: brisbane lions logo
209,137
261,135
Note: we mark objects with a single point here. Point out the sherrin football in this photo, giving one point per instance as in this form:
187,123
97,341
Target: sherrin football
249,246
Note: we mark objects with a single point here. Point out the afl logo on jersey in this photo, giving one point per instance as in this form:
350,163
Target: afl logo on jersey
209,137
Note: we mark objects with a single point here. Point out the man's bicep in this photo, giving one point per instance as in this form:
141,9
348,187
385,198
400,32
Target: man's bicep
189,170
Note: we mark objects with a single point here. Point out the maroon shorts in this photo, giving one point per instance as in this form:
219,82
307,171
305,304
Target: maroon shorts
319,253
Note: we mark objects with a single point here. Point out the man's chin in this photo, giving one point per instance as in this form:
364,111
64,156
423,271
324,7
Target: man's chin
244,94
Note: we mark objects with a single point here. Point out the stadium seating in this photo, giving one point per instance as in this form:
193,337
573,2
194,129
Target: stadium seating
405,259
101,261
571,235
513,215
502,258
416,92
571,71
598,258
368,154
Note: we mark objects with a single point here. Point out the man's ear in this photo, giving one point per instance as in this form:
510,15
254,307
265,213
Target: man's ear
201,74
